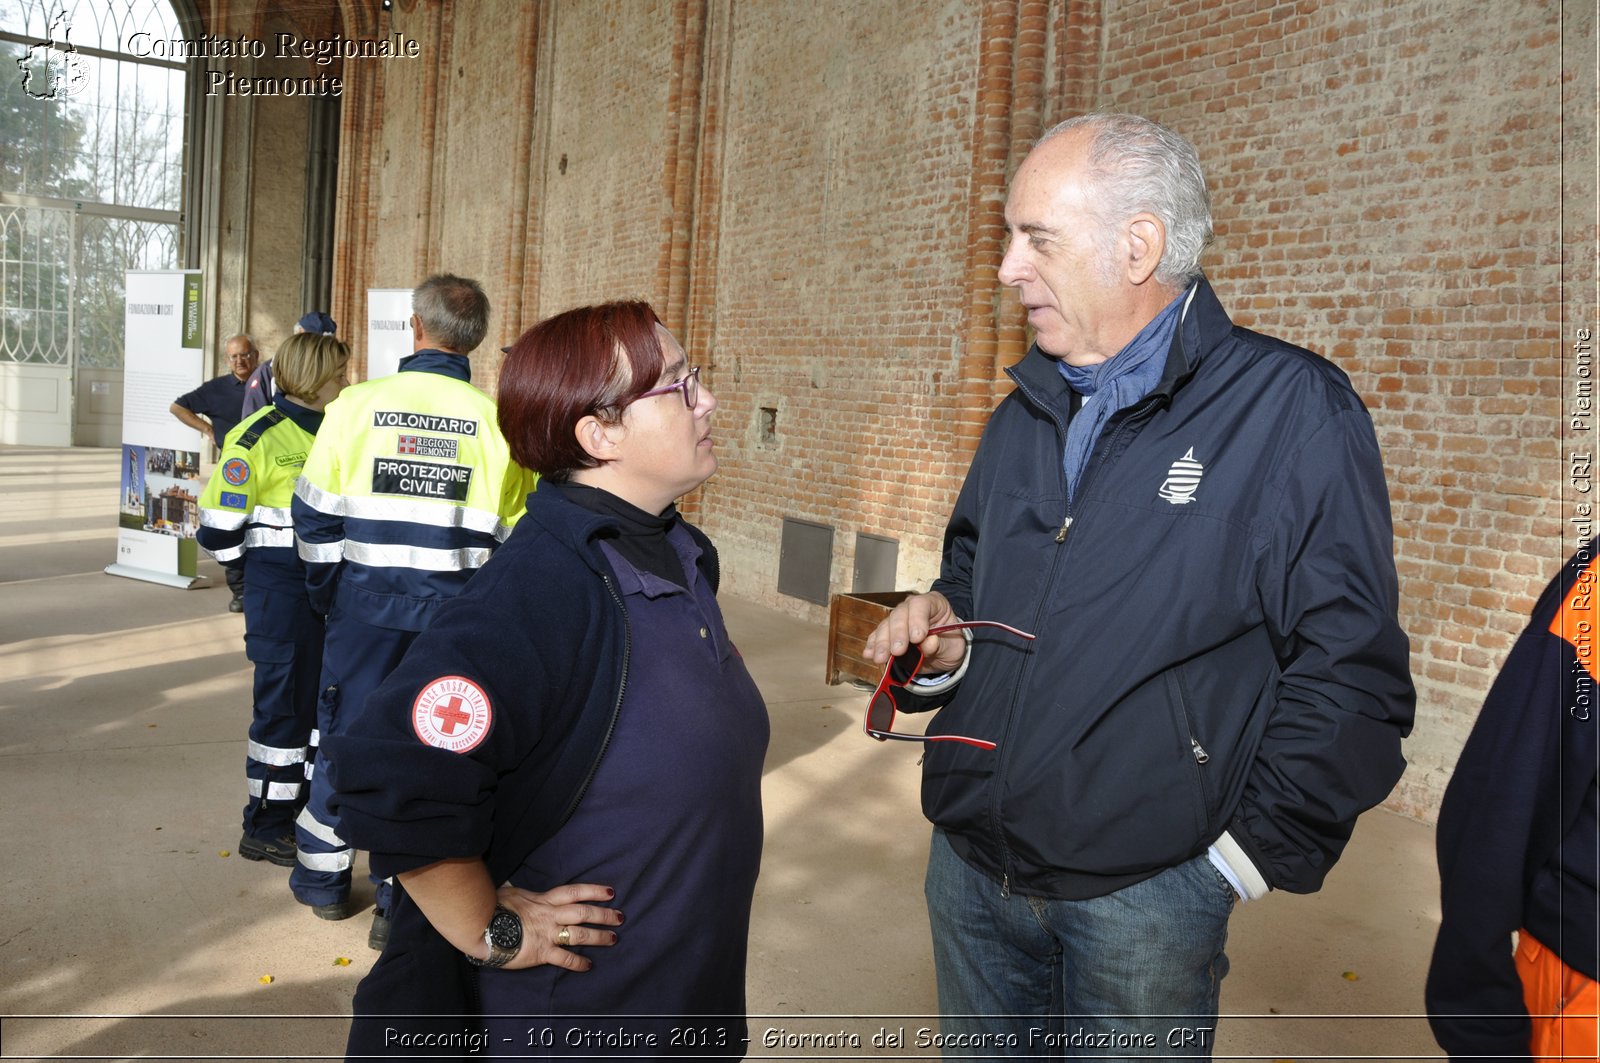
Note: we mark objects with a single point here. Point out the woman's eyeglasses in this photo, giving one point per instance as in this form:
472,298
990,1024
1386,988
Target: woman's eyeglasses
690,385
899,671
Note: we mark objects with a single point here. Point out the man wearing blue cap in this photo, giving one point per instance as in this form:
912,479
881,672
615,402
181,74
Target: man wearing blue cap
258,389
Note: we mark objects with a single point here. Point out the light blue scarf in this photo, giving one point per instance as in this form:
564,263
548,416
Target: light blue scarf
1115,384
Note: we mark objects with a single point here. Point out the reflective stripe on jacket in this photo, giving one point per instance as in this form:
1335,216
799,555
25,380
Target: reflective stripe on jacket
245,507
408,490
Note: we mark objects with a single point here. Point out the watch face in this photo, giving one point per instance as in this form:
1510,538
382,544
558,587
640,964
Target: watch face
505,929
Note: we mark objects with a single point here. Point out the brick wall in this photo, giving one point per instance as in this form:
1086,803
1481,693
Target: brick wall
605,155
810,194
840,299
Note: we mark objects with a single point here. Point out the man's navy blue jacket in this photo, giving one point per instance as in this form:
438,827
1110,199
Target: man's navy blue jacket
1517,841
1217,646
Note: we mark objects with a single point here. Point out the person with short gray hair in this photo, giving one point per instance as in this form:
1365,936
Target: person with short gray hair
452,310
1179,675
1138,165
213,408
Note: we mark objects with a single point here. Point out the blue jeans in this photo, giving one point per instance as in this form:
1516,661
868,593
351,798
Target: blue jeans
1133,974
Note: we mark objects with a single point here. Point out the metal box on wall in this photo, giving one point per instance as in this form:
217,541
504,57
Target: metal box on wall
877,558
805,559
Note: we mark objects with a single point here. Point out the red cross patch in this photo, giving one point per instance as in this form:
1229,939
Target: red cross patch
452,713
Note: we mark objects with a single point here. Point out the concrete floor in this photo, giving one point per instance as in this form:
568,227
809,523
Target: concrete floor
130,928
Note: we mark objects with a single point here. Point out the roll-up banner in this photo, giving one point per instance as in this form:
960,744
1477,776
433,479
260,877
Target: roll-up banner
388,330
159,511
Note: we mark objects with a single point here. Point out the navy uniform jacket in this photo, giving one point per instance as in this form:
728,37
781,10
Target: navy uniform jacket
542,626
257,389
1517,838
1218,644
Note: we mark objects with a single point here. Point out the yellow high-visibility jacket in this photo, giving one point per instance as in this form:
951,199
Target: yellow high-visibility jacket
406,492
245,508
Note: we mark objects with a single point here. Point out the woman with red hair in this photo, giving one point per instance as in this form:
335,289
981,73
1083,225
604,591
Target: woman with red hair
575,737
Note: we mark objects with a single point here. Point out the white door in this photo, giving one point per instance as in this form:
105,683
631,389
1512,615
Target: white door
35,404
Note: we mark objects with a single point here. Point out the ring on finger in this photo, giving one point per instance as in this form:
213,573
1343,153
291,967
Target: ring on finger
564,936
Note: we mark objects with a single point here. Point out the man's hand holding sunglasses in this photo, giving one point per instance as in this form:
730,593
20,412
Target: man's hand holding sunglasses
910,641
908,624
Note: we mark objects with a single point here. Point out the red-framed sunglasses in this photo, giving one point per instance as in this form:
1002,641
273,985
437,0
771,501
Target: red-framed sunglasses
898,672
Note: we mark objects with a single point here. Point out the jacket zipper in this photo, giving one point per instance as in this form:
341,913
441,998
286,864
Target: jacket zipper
1038,616
1116,426
616,709
1198,752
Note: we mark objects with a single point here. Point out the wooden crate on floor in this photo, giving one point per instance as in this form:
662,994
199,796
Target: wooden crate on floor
851,618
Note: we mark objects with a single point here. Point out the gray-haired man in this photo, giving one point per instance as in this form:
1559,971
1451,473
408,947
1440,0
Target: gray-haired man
1192,518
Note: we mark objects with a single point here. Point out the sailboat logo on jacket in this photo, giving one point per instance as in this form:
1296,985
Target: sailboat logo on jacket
1183,479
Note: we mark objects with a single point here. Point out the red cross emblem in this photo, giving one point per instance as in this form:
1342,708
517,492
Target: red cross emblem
452,713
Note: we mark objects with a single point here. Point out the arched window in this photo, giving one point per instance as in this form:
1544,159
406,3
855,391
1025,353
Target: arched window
92,97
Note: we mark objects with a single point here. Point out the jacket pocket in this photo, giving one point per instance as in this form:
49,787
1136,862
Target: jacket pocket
328,709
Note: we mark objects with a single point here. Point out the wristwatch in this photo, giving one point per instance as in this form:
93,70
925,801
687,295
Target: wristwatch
503,936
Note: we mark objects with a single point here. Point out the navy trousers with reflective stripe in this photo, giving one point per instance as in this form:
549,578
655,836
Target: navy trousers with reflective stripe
283,639
356,658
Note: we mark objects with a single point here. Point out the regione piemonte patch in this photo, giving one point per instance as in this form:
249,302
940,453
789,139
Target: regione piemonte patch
452,713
